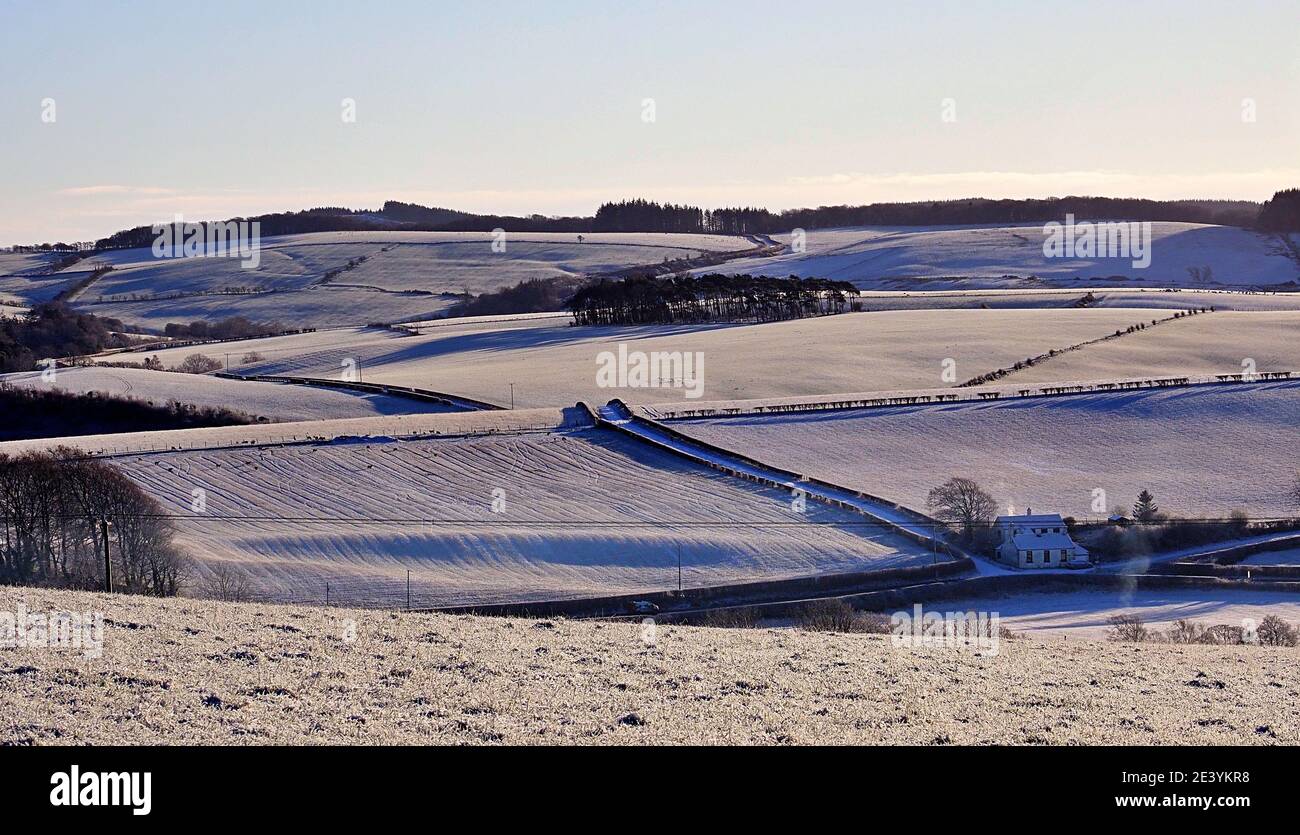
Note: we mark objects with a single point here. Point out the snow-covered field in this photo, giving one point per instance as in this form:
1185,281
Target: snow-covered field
419,424
350,278
32,289
553,364
985,256
577,513
25,263
1201,451
1290,556
1086,614
1162,298
272,401
1217,343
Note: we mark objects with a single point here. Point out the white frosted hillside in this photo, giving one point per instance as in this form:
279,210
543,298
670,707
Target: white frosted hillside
24,263
1152,297
272,401
419,424
32,289
895,256
1218,343
323,306
555,364
585,513
393,275
1202,451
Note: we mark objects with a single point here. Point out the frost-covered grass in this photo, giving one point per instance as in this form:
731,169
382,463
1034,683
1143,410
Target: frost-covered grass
272,401
186,671
553,364
887,257
1202,451
482,519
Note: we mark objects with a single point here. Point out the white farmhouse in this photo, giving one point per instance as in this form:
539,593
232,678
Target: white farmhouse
1038,541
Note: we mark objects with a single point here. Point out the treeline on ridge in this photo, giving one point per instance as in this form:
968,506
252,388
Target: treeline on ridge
640,215
48,412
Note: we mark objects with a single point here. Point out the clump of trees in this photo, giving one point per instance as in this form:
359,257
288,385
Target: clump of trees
1153,531
963,502
54,330
645,216
51,507
1272,631
54,413
684,299
232,327
836,615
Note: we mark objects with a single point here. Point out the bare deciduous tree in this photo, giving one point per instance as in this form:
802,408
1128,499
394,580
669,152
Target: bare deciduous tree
1275,632
964,502
197,364
1128,628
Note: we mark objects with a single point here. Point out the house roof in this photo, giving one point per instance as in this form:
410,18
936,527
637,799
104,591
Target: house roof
1041,541
1035,519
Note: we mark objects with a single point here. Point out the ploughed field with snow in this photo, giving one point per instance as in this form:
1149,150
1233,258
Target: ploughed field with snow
1012,256
1202,451
271,401
552,363
352,278
577,513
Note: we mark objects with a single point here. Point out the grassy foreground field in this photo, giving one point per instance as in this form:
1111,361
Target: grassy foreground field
185,671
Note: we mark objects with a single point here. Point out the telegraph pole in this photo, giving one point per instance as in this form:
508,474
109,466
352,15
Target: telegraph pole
108,565
679,568
408,589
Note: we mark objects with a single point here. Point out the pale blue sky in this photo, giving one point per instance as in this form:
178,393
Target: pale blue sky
234,108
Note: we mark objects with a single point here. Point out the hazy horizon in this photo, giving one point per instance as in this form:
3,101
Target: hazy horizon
516,109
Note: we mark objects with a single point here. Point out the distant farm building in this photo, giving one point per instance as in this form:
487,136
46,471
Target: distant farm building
1038,541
